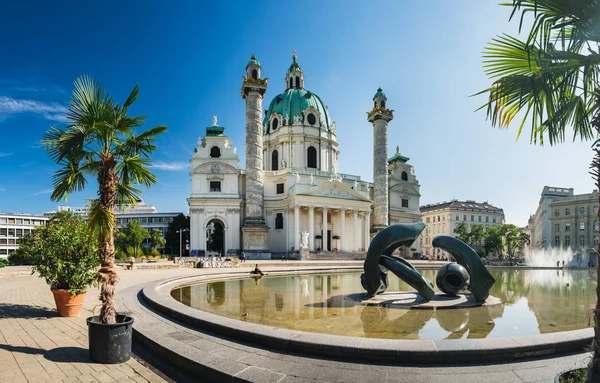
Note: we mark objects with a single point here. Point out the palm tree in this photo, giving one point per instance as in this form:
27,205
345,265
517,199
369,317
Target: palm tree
100,141
551,78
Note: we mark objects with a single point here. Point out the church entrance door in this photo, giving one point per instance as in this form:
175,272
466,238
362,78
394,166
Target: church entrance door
215,243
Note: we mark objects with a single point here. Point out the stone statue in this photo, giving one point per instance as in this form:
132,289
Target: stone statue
215,120
397,149
297,177
311,180
333,127
355,185
304,239
296,120
283,163
287,119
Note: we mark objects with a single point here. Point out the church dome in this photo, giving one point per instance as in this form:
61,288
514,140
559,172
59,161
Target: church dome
293,102
253,61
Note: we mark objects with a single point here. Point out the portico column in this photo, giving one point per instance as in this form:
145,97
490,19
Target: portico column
343,228
356,236
297,227
311,228
324,229
367,229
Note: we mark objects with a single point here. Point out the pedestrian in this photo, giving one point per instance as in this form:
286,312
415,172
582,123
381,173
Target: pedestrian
563,263
557,263
243,257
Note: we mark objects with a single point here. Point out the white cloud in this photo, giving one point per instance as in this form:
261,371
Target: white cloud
50,111
5,154
47,191
169,165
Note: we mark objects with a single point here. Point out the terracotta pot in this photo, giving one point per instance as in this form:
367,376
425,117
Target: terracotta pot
66,304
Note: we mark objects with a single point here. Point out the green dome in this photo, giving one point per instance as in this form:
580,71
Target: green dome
379,93
253,61
292,102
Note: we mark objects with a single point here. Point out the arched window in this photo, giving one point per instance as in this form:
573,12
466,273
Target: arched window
404,176
254,74
297,81
383,103
291,82
215,152
311,157
274,160
275,124
279,221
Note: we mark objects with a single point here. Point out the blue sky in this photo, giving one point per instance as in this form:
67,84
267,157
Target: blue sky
188,59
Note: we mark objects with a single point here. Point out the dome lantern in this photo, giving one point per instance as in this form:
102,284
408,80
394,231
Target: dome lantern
253,68
294,78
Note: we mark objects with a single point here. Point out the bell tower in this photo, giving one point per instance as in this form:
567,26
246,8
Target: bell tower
255,232
379,116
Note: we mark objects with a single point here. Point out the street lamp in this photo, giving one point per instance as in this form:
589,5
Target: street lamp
180,231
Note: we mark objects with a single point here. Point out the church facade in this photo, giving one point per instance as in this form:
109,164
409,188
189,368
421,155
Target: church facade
291,183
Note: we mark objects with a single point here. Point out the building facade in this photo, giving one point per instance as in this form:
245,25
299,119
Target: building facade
147,215
443,218
15,226
574,225
291,184
541,235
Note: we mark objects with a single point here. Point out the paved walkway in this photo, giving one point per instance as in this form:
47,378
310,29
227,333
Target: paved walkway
38,346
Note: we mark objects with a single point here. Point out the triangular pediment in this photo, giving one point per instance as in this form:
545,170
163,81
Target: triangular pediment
335,189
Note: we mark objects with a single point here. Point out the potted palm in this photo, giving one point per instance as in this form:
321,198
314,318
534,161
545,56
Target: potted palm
66,258
320,238
100,141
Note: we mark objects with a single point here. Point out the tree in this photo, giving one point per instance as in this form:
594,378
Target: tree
461,232
511,235
552,79
156,239
172,237
100,141
135,235
477,234
493,241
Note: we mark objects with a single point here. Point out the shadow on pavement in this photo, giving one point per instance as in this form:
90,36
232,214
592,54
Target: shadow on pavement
12,310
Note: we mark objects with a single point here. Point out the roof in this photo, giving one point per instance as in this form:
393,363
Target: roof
292,102
253,61
379,93
461,205
215,131
398,158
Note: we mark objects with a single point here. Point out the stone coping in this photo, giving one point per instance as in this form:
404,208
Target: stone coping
157,295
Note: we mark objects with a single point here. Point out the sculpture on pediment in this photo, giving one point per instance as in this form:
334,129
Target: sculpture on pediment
215,169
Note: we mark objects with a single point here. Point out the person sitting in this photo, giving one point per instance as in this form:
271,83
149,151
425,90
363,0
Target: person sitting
243,258
258,271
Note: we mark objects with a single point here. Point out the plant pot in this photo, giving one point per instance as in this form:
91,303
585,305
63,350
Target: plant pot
110,343
68,305
576,375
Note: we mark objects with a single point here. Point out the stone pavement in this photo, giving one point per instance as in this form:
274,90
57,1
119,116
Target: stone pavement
38,346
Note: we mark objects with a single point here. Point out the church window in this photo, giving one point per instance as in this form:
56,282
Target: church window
311,157
280,188
383,103
215,152
279,220
297,81
254,74
404,202
215,186
404,176
275,124
275,160
291,82
311,119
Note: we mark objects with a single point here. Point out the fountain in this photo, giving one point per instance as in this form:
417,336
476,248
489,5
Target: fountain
549,257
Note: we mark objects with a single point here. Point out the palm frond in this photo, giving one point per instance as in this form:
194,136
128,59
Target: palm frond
133,170
101,221
66,180
127,194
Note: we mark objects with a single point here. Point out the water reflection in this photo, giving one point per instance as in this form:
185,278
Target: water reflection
535,301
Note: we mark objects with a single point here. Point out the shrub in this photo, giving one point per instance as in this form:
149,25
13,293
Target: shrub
121,255
67,256
3,262
155,253
130,252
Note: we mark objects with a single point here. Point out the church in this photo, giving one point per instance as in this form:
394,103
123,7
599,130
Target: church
290,193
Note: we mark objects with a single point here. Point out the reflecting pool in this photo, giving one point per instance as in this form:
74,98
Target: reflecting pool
534,302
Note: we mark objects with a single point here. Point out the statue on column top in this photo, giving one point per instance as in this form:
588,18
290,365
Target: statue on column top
214,120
